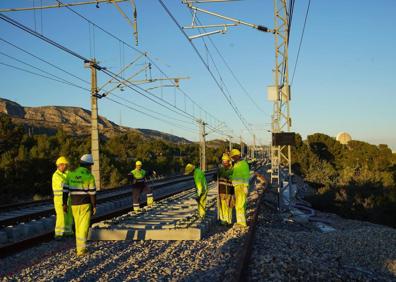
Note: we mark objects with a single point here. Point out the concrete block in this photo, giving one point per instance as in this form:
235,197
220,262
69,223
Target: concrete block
111,206
16,233
126,202
3,237
37,226
27,229
133,234
9,232
49,223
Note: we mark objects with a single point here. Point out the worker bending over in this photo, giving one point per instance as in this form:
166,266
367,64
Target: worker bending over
226,199
240,181
139,186
80,185
64,220
201,187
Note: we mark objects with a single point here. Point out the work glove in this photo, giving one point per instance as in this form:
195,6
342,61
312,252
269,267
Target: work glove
65,208
93,210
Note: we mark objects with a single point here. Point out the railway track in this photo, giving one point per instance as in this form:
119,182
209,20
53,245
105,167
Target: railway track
220,254
17,213
31,223
270,249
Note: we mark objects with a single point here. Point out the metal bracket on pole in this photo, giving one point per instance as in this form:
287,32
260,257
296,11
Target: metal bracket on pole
222,31
235,21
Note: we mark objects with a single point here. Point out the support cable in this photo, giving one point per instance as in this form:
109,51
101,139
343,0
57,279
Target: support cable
152,61
234,107
301,40
104,70
45,61
44,76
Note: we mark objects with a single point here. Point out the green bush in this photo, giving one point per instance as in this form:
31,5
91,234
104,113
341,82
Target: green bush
357,180
28,162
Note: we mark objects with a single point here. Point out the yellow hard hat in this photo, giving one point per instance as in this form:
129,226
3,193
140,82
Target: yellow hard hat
61,160
138,163
225,157
235,152
189,169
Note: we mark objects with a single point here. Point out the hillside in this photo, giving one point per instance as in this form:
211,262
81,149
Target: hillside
73,120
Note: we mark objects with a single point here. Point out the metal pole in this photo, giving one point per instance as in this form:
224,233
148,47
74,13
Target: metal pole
94,123
281,120
202,147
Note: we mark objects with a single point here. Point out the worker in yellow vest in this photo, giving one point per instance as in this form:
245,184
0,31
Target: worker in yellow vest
201,187
226,198
64,220
139,186
80,185
240,180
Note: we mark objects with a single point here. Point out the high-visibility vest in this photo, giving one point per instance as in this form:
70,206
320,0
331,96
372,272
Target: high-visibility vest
241,173
80,184
58,178
138,174
224,180
200,181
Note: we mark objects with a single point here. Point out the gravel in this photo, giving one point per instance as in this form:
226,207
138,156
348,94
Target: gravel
283,250
289,251
212,258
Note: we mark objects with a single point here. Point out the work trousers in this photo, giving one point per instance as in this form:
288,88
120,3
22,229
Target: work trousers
241,191
64,220
201,200
82,219
226,203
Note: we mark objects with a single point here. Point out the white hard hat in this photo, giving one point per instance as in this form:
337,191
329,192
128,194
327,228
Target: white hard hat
87,158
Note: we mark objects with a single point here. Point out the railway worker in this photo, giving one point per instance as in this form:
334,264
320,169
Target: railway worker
226,199
240,181
201,187
80,185
64,220
139,186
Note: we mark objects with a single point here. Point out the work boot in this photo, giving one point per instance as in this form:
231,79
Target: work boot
136,208
240,225
150,199
82,252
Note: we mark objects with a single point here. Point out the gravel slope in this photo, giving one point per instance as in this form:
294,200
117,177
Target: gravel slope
290,251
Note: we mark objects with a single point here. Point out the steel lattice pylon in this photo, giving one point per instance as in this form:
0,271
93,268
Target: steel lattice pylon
281,120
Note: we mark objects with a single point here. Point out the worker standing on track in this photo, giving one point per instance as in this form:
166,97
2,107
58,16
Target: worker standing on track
240,180
64,220
201,187
226,198
139,185
80,185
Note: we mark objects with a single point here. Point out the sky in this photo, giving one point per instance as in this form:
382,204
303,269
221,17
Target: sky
344,80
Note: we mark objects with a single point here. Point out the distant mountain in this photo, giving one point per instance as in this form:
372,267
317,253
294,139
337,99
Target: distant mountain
74,120
162,135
